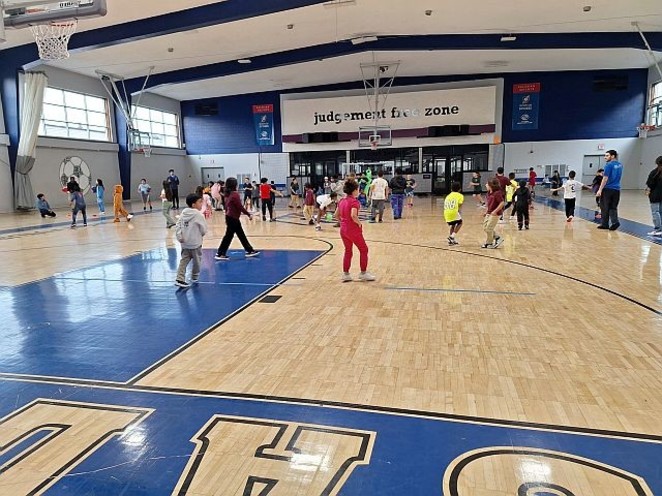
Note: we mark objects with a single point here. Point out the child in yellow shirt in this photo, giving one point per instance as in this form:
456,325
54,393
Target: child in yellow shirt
452,205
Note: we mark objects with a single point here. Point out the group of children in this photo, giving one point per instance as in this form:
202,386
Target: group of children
502,193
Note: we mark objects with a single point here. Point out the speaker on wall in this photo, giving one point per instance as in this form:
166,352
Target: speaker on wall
441,131
206,109
331,137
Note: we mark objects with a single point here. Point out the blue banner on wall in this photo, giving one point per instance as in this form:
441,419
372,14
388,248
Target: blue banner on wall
526,98
263,116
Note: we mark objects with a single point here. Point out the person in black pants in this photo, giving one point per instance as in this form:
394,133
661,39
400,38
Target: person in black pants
233,211
173,182
610,191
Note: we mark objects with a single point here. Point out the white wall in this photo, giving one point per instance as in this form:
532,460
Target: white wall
101,158
539,154
155,169
274,166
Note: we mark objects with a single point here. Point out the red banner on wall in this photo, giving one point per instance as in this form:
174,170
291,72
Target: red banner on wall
526,88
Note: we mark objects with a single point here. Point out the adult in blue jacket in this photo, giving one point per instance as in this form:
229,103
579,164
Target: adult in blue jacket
610,191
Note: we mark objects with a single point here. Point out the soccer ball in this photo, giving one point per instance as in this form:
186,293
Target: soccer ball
76,166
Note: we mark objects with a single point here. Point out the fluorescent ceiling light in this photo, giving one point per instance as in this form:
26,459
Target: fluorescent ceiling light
509,38
363,39
244,61
339,3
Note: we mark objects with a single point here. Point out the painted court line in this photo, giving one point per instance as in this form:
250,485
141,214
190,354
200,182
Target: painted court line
443,290
170,282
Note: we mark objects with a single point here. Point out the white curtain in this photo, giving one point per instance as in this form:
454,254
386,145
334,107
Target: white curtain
31,108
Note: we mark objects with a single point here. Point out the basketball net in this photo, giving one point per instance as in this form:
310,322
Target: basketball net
53,38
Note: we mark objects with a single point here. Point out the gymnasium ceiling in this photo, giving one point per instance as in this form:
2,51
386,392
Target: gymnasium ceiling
302,43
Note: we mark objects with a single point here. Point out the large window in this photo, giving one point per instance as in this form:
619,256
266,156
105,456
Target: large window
655,107
73,115
163,127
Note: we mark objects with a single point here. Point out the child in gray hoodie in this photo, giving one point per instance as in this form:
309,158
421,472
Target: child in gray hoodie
190,229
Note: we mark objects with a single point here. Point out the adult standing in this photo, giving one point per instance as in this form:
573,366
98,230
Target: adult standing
173,183
378,190
610,191
397,185
556,183
654,192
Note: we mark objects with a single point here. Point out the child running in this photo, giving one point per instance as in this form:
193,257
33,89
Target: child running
233,211
118,204
78,205
351,232
452,205
191,227
510,191
145,189
268,194
308,203
494,211
522,200
570,188
478,189
166,197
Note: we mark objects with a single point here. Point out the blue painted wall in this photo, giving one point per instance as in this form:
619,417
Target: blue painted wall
232,130
569,109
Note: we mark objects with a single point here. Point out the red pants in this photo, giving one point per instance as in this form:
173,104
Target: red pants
350,237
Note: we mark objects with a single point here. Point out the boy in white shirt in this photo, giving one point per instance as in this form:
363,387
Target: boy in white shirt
378,193
570,188
323,203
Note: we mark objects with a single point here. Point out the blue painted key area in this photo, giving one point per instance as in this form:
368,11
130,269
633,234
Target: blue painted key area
111,321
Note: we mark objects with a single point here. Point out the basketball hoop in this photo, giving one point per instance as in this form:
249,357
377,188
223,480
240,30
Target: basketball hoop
375,139
643,130
53,38
147,151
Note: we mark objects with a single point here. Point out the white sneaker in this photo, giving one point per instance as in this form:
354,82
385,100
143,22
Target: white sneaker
658,233
366,276
653,233
346,277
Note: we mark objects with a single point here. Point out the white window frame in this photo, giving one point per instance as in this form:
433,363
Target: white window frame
71,129
157,126
655,105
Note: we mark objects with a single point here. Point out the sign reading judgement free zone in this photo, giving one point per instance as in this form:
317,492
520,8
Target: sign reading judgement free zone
411,110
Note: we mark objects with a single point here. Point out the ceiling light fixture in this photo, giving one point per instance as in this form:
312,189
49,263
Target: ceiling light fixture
428,13
244,61
363,39
510,37
339,3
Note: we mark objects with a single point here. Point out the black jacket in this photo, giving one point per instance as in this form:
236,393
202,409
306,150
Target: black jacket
654,183
522,198
398,185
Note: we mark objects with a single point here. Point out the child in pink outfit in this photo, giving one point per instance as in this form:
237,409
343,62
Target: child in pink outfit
351,232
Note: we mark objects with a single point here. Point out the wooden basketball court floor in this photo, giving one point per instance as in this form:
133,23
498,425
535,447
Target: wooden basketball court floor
534,369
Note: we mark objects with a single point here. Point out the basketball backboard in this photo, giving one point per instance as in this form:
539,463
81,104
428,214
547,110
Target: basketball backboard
20,14
375,137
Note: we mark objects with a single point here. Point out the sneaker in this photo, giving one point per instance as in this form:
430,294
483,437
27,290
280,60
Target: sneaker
658,233
487,245
366,276
221,257
311,222
144,209
182,284
85,224
602,227
497,242
569,219
337,224
526,227
195,281
346,277
318,228
150,208
73,226
253,253
380,220
129,217
613,227
450,240
272,219
372,221
653,233
519,227
264,218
